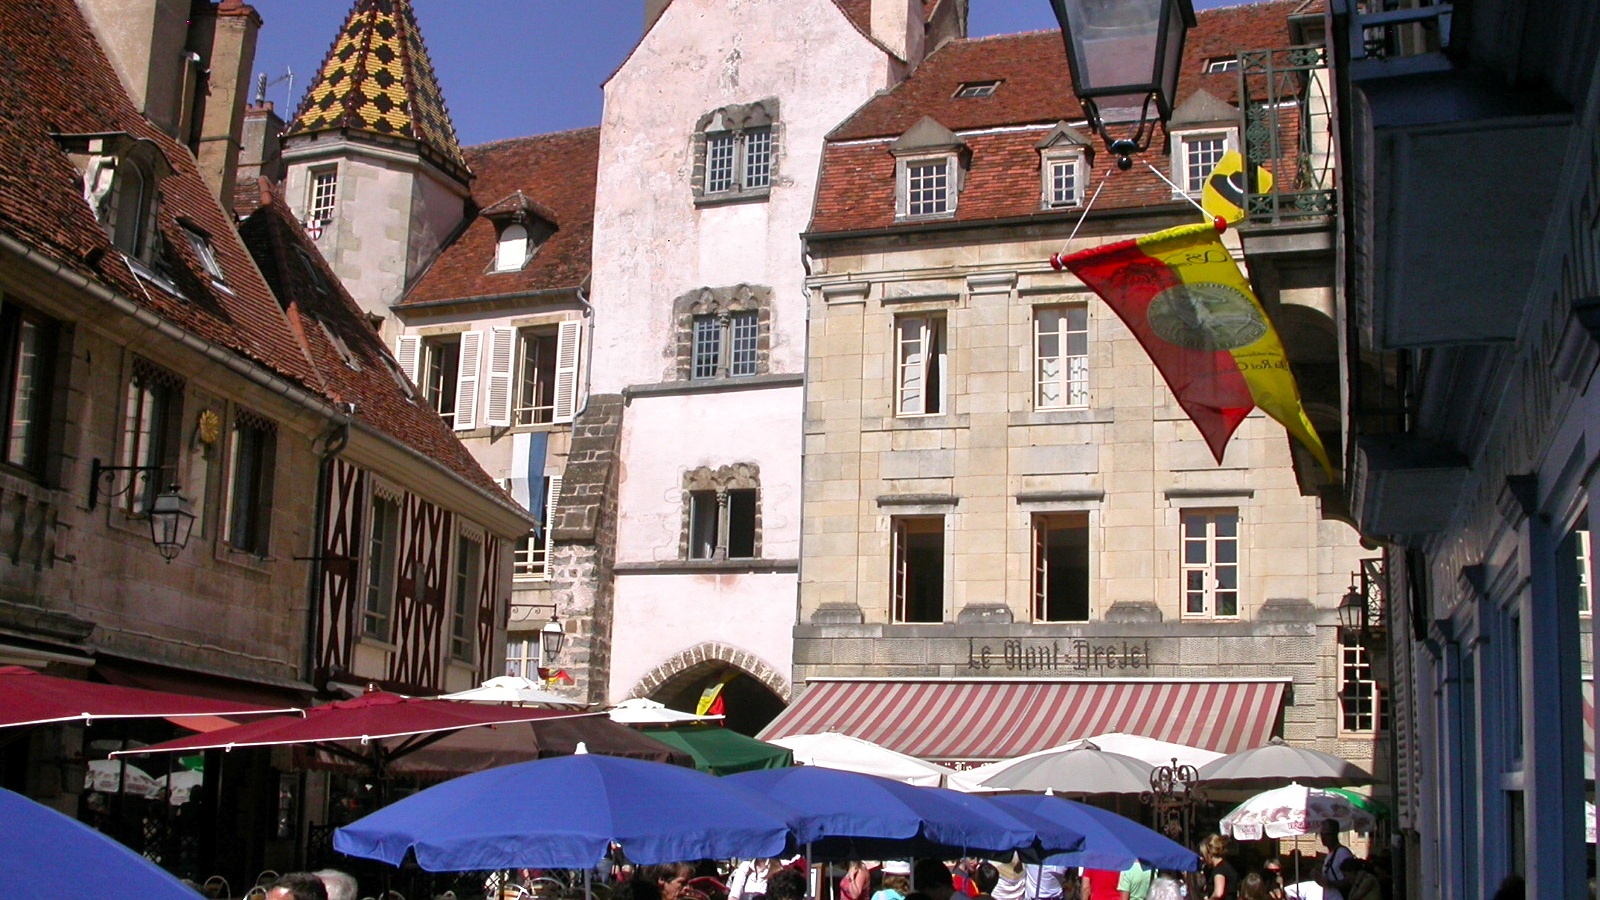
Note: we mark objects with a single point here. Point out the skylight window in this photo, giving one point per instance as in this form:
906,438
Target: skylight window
1218,64
977,89
204,252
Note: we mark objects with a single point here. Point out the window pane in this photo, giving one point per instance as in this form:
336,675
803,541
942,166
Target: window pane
703,525
707,347
324,195
919,569
1063,182
927,188
381,547
1200,157
719,162
463,615
536,387
439,381
26,399
1061,548
742,355
757,157
741,524
512,250
250,501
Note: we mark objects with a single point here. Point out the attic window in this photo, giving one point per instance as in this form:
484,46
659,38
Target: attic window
205,254
511,252
1218,64
977,89
314,274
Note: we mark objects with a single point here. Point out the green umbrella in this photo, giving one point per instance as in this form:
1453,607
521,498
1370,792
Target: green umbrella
1362,802
722,752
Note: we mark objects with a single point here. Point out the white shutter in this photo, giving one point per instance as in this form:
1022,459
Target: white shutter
467,380
502,365
407,349
568,359
551,498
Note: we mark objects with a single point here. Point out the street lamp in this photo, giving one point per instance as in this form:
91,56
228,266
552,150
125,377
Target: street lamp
551,637
171,519
1353,610
1124,56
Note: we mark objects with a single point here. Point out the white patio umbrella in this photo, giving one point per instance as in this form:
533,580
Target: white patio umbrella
1278,763
639,711
513,689
832,750
1083,768
1292,811
1150,750
112,775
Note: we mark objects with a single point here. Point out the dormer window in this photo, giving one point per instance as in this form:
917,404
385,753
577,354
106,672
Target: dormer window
1063,167
121,183
521,225
1218,64
736,150
205,253
1203,129
928,171
511,252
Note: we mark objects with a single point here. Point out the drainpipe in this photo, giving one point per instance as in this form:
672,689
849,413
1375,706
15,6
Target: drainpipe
588,370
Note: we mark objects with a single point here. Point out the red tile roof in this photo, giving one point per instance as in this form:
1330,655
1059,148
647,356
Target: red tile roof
351,360
554,171
59,81
857,181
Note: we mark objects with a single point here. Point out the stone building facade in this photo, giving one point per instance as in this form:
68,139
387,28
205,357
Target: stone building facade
999,487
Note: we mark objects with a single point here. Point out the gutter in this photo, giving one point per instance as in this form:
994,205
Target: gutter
229,359
1054,218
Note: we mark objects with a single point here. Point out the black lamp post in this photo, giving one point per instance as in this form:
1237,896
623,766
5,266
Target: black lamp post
1125,56
1353,611
551,637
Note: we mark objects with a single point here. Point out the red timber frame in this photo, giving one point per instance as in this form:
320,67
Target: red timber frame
491,611
343,523
420,595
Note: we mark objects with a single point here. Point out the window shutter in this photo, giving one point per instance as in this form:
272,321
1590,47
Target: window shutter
407,348
502,363
551,498
467,380
568,358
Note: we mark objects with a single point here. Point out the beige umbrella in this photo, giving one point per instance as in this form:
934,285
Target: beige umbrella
1279,763
1082,769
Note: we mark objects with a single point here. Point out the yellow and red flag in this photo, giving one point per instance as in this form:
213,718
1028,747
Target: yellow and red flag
1182,295
1226,187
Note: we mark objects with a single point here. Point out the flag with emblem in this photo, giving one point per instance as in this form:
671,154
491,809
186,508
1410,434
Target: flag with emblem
1182,295
1225,188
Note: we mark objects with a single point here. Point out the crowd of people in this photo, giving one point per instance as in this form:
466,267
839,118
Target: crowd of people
1224,875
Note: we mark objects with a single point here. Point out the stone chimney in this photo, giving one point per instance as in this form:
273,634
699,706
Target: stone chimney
652,12
146,43
897,24
224,36
260,154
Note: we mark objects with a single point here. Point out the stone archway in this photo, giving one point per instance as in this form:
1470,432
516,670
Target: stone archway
756,692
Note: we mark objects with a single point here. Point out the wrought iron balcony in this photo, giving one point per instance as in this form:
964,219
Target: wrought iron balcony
1288,130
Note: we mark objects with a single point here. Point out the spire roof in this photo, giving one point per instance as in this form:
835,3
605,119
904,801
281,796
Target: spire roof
378,79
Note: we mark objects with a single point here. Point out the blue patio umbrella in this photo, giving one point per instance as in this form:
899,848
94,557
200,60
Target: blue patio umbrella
45,854
862,816
1110,841
562,813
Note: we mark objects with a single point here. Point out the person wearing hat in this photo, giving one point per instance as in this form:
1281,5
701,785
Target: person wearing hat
896,880
1334,879
1012,883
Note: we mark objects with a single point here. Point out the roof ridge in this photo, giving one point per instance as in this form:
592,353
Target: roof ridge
378,78
530,137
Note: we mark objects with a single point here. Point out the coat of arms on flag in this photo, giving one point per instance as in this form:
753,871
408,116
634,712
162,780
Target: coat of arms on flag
1182,295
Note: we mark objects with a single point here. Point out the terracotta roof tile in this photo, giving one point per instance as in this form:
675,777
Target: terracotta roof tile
555,173
351,359
59,81
857,181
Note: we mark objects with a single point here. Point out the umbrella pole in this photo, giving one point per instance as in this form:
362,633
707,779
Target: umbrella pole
588,892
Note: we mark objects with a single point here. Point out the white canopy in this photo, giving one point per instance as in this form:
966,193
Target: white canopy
1150,750
639,711
512,689
832,750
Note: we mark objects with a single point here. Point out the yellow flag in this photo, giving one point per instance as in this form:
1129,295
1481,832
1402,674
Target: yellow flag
1223,194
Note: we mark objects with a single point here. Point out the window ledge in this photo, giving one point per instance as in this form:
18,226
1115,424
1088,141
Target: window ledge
934,217
727,198
244,559
729,566
1087,416
922,423
377,643
713,385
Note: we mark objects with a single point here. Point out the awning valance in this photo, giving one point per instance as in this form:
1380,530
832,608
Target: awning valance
971,720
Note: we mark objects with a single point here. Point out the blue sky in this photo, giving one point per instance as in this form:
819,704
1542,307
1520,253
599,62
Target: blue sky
516,67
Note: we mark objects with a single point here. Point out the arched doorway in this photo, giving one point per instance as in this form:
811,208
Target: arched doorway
752,692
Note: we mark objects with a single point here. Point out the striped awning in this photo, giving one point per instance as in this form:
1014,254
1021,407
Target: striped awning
972,720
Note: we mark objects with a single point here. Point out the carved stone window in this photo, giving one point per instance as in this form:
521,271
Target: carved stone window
723,332
736,152
722,513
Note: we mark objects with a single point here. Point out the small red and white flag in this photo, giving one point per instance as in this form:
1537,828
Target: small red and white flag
314,229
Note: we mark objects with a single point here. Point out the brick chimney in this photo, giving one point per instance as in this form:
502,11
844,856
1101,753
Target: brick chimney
224,36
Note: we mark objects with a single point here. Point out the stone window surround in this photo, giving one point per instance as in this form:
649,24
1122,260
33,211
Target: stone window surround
720,302
732,477
736,118
1181,137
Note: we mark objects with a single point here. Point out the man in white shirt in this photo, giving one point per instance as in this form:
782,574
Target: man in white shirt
1045,882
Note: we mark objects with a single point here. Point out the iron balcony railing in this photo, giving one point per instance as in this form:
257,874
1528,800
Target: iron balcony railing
1288,124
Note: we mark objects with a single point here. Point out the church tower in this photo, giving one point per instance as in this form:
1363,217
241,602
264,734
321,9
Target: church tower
373,166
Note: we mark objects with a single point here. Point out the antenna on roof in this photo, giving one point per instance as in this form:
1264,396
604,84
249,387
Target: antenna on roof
262,84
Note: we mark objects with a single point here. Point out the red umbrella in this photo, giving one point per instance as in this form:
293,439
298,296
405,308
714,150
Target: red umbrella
28,698
371,719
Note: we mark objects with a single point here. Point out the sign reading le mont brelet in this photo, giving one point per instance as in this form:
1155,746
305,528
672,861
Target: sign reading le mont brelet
1077,655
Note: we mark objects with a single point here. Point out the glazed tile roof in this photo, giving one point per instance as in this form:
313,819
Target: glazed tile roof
857,182
554,174
351,360
377,78
60,82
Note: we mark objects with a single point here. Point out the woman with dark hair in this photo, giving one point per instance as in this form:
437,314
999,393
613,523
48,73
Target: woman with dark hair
669,878
1219,879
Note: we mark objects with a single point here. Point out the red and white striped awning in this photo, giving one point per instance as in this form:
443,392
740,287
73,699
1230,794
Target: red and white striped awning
972,720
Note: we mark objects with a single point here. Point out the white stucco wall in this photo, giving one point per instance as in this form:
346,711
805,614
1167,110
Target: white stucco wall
653,244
